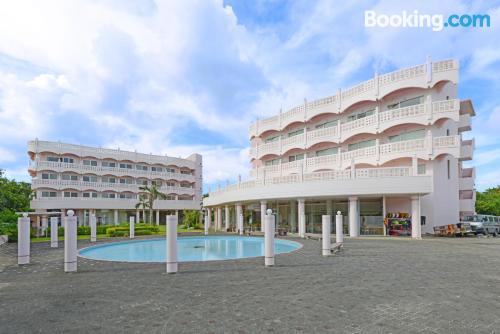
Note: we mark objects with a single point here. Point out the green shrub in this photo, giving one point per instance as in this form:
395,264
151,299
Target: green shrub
140,229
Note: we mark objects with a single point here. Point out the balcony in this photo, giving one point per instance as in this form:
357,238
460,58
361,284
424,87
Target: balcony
100,170
109,203
367,181
423,76
466,150
103,186
464,124
424,148
467,206
466,183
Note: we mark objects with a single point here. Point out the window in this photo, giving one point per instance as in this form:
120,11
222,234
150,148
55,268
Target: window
186,172
170,197
49,176
109,164
53,159
417,134
142,182
361,144
89,178
127,196
296,157
447,132
327,151
126,181
295,133
108,179
406,103
141,167
170,183
156,182
49,194
272,162
185,185
328,124
108,195
70,194
90,195
90,162
448,168
69,177
156,169
360,115
271,139
421,169
126,166
68,160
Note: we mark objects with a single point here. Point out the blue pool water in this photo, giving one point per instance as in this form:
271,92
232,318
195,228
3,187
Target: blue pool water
209,248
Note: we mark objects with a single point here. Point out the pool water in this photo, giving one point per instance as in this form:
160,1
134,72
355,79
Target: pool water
211,248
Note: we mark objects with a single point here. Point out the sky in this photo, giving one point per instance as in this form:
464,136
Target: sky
179,77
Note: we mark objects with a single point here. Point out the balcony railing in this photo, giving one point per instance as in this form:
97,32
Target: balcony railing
420,113
370,89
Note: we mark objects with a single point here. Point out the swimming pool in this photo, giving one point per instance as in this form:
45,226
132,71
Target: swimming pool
211,248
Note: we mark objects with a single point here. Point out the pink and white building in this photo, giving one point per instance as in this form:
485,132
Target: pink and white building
387,153
106,182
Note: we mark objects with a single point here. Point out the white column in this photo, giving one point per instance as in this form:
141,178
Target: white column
263,208
269,239
415,218
157,217
171,248
116,217
137,218
63,217
209,214
226,217
302,217
131,228
206,224
325,221
239,214
219,218
414,165
70,246
54,242
45,224
23,239
353,217
339,228
93,227
293,215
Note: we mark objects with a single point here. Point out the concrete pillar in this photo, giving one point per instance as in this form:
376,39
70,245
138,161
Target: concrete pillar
93,227
293,216
263,208
206,224
116,217
302,217
239,213
415,218
326,231
157,217
38,226
209,213
240,224
226,217
171,248
54,238
131,228
269,239
137,216
219,218
339,228
45,225
70,246
23,239
353,217
63,217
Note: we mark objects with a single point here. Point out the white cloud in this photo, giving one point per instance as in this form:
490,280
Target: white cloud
6,156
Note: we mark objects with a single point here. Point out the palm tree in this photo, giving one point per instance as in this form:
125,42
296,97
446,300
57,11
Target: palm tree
152,194
144,204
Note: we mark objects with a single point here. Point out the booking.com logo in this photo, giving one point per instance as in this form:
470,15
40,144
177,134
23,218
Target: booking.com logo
416,20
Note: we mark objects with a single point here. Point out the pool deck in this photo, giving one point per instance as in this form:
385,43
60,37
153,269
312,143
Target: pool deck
377,285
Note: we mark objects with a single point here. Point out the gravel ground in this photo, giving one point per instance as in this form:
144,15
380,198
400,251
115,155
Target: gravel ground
377,285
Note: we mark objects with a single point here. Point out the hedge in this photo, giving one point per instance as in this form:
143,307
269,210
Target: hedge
140,229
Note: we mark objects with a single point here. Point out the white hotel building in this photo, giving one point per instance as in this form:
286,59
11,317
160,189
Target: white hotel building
106,182
387,153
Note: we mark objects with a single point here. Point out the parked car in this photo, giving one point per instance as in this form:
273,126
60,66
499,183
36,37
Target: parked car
477,227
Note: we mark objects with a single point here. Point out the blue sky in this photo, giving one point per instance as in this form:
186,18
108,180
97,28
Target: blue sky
177,77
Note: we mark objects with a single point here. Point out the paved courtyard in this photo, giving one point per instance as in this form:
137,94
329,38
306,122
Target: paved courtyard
377,285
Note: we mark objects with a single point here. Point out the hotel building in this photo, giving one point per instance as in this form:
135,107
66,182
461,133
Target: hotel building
106,182
387,153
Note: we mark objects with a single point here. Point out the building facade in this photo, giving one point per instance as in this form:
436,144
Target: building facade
387,153
106,182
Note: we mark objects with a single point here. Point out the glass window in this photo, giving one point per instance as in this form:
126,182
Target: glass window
360,115
53,159
328,124
49,194
272,162
89,178
271,139
70,194
90,162
186,172
171,183
361,144
69,177
49,176
406,103
125,166
107,179
296,157
156,169
295,133
327,151
417,134
170,170
109,164
68,160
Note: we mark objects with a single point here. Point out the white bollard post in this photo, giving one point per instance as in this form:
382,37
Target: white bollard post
326,220
131,227
23,239
54,242
339,228
171,244
93,228
206,225
70,246
241,224
45,224
269,239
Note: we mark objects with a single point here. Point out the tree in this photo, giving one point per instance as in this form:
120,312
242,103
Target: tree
488,202
144,204
152,194
191,218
